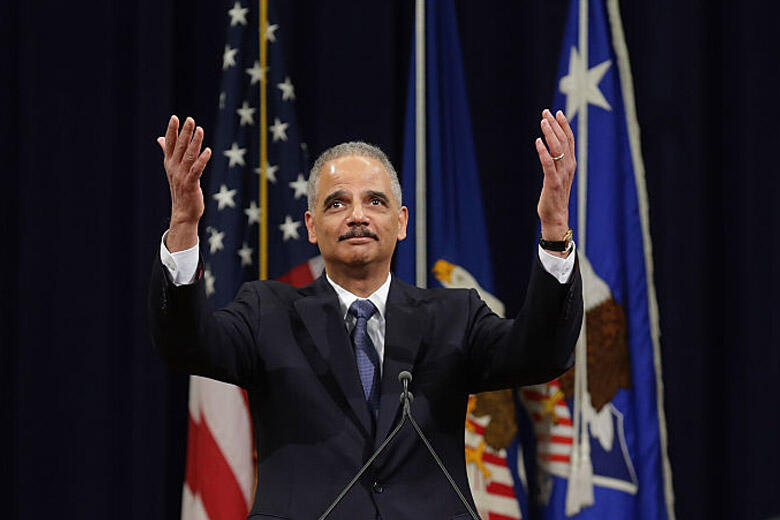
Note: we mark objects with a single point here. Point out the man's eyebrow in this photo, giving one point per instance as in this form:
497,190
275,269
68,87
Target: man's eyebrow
379,195
333,196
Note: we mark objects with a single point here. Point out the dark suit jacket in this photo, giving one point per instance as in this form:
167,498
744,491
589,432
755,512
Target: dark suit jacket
290,350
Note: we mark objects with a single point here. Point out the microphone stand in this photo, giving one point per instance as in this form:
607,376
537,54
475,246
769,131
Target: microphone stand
407,397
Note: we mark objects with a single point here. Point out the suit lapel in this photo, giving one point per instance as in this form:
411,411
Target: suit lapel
405,323
322,317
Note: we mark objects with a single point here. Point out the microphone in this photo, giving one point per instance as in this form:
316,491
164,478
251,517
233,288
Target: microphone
405,377
407,397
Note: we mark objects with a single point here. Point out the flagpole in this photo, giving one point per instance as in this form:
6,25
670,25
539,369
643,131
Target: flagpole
421,239
582,137
262,245
579,492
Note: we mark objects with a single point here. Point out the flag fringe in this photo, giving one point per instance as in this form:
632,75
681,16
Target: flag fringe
632,123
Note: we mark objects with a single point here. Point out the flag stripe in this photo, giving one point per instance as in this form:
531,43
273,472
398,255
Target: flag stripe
224,408
498,516
211,477
497,488
490,458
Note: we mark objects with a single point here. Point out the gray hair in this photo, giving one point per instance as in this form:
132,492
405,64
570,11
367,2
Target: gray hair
358,148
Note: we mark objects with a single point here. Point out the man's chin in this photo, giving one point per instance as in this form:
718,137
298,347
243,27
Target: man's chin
359,256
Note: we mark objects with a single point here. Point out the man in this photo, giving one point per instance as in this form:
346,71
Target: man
320,364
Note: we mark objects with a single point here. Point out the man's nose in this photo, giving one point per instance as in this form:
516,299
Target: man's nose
358,216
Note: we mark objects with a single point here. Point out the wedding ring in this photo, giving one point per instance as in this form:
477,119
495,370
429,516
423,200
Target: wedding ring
563,154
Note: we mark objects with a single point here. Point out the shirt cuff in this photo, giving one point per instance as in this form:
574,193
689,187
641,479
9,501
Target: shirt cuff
181,265
560,268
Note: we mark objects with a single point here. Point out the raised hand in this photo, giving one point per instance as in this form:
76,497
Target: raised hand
558,163
184,164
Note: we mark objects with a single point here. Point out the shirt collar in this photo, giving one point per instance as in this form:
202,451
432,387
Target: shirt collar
346,298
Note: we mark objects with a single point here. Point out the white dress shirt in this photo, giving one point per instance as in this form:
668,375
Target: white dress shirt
183,266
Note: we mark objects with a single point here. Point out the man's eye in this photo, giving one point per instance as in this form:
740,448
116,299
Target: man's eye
377,202
335,204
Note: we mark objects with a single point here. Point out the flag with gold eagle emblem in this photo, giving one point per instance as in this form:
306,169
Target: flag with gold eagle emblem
599,430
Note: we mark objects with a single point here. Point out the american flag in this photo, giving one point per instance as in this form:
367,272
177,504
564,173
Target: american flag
220,475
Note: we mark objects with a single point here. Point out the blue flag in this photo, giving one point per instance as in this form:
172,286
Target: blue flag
457,248
600,428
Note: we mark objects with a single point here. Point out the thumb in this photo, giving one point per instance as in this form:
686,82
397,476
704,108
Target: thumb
161,142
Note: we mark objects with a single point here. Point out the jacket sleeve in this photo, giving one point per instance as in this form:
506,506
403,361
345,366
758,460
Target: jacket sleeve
191,338
537,346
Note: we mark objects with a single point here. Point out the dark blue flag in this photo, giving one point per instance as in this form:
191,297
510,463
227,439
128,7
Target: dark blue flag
458,253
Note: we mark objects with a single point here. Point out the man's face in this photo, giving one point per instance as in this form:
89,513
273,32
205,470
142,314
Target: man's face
356,220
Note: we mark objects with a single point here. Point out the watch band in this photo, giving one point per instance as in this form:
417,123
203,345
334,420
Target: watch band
558,245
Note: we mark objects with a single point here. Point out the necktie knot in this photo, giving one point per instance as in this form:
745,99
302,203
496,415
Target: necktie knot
362,309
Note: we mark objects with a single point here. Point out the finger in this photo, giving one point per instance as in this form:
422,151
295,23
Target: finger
184,139
559,133
548,165
192,150
200,163
561,117
571,159
161,142
170,136
549,136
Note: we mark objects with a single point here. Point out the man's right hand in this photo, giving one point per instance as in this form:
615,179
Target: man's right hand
184,164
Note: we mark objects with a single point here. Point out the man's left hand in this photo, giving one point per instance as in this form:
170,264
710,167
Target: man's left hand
558,163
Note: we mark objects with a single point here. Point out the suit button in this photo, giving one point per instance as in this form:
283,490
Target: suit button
378,487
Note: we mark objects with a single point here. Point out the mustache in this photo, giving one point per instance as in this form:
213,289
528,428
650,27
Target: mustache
357,232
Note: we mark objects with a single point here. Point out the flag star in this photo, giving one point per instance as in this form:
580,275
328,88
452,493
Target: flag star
253,213
270,31
225,197
229,57
279,130
289,228
210,279
238,14
581,85
300,186
236,155
215,239
222,97
246,255
257,73
247,114
288,91
270,172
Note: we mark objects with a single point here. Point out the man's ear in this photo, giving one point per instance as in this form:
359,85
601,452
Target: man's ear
403,219
310,227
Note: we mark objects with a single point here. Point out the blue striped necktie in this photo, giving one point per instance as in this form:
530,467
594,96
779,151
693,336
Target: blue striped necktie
365,353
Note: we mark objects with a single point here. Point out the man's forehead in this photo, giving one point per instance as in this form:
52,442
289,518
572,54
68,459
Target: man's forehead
351,168
353,163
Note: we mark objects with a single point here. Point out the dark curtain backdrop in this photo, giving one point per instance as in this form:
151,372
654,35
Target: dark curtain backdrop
94,425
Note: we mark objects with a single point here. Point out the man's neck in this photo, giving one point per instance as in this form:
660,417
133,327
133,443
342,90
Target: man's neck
362,281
